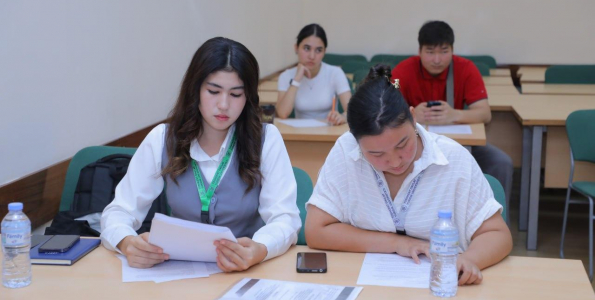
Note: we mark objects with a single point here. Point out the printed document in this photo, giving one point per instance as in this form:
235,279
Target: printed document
167,271
186,240
265,289
450,129
394,270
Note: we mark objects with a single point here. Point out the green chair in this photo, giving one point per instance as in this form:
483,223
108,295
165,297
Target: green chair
570,74
486,59
359,76
499,195
353,66
581,135
388,59
484,70
304,191
339,59
80,160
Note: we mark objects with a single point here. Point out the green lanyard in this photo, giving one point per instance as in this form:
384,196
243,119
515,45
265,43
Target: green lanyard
205,197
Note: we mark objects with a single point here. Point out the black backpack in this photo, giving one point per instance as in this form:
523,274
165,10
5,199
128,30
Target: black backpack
95,189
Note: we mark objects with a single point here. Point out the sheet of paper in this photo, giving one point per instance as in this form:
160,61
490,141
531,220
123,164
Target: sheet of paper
450,129
303,123
186,240
265,289
167,271
394,270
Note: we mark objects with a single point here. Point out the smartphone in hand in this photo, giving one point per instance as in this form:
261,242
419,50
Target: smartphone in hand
434,103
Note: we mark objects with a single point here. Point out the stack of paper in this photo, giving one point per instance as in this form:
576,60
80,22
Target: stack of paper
265,289
168,271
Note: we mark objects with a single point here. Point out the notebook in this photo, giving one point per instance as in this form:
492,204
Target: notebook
80,249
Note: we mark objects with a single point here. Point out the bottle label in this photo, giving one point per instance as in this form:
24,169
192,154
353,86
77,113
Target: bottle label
444,246
15,237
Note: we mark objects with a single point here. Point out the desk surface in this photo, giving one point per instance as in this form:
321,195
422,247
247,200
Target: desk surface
501,90
497,80
558,89
532,74
268,97
548,110
500,72
99,276
332,133
268,86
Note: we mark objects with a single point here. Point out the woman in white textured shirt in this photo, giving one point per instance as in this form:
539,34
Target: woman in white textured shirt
219,166
384,182
310,87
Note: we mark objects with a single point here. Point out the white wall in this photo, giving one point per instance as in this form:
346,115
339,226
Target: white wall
513,31
81,73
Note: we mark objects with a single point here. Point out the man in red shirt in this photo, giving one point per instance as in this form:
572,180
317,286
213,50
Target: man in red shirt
423,78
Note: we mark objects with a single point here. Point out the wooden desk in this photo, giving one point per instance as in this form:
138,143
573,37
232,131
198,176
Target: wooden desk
535,114
268,86
99,276
501,90
268,97
349,75
532,74
500,72
309,147
558,89
497,80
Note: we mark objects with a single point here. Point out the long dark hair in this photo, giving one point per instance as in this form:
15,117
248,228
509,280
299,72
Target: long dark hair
377,104
185,120
312,30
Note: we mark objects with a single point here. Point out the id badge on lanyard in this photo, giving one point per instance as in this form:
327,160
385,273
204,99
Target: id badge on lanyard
398,218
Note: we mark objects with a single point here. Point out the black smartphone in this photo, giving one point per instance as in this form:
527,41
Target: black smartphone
311,262
434,103
59,243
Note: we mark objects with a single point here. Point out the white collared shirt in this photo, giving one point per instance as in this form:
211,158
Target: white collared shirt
143,183
347,189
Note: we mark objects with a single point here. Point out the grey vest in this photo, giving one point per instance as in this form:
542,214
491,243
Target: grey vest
231,206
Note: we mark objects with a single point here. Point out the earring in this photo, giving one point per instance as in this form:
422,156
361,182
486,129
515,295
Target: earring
416,132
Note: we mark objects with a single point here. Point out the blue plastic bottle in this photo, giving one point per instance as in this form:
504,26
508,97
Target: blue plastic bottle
444,249
16,243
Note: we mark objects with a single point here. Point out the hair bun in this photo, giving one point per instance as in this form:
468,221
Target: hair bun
379,70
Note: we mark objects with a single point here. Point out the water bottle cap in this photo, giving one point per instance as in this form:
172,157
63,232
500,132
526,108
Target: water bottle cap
444,214
15,206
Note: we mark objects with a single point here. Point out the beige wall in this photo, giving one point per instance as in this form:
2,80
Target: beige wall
513,31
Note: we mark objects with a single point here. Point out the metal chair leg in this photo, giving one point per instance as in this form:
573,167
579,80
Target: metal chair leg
591,239
564,223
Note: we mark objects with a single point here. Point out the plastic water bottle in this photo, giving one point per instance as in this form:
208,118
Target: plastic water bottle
444,249
16,243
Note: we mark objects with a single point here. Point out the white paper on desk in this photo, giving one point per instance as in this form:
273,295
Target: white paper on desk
265,289
303,123
450,129
186,240
394,270
167,271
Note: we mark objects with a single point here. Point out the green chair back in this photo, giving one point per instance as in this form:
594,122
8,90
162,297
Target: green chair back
304,191
388,59
485,59
570,74
339,59
580,127
484,70
358,76
80,160
498,194
353,66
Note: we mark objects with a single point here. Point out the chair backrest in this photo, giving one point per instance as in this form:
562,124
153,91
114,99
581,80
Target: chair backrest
570,74
80,160
339,59
486,59
304,191
580,127
484,70
352,66
498,193
388,59
358,76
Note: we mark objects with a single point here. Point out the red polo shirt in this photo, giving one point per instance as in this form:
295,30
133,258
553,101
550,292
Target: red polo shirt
417,85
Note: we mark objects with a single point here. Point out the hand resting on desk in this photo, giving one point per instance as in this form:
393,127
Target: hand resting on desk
239,256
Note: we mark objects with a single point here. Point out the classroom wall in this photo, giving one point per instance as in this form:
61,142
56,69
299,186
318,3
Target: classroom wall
513,31
81,73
